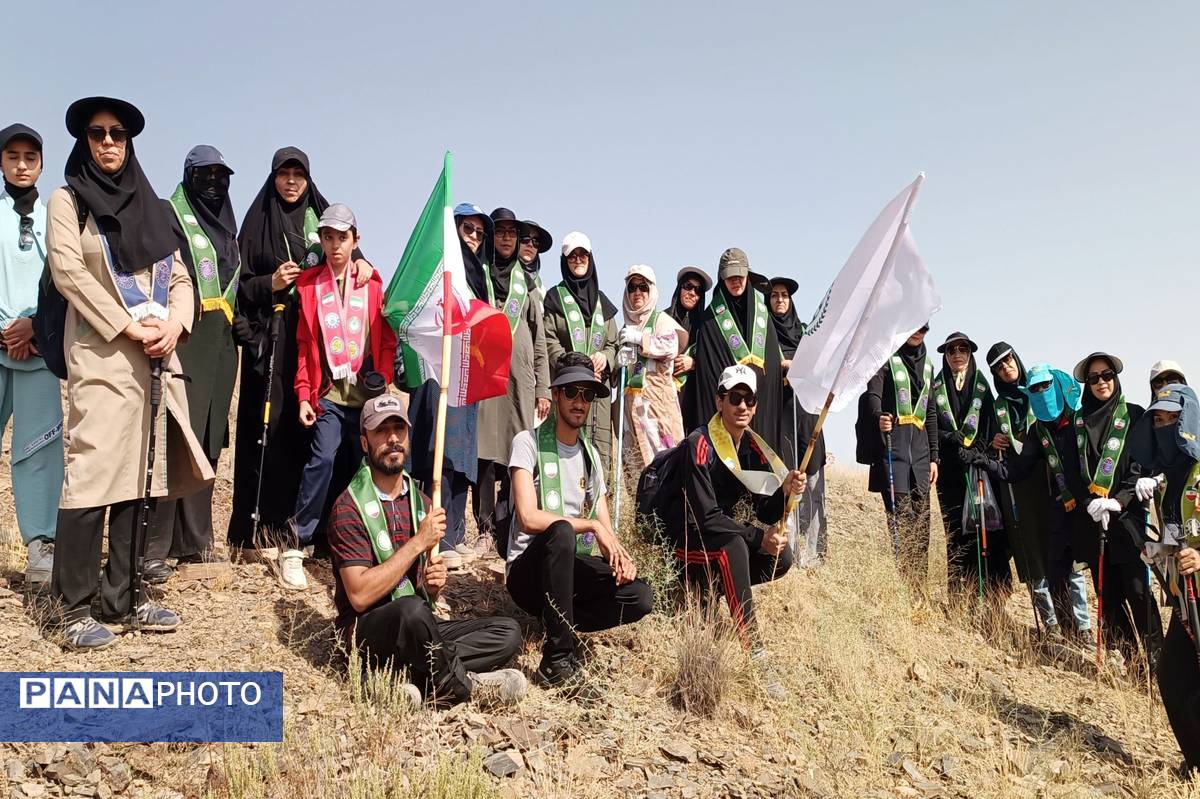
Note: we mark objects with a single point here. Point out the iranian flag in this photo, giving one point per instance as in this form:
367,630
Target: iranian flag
429,280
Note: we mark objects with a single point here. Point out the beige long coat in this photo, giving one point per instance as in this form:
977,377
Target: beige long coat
107,425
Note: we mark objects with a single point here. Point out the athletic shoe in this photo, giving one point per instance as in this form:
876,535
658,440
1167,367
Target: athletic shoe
39,562
556,672
155,571
1086,638
291,570
152,618
89,635
504,687
468,554
452,559
485,547
413,694
767,676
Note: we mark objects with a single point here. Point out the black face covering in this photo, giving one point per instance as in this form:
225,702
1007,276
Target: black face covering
914,362
207,192
209,185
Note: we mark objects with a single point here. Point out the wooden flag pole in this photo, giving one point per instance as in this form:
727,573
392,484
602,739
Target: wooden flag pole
439,441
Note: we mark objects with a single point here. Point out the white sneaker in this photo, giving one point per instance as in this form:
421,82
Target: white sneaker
291,570
467,553
40,561
452,559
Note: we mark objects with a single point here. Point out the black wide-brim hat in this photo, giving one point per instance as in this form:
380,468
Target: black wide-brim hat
789,284
1080,373
80,113
957,336
545,240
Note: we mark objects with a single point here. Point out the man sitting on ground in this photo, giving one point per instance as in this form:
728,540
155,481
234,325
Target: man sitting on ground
728,474
565,563
380,566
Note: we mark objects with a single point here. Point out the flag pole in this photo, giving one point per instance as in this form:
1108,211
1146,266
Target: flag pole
439,440
872,301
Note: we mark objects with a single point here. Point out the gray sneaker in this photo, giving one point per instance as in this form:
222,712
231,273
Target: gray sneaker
766,674
89,635
504,687
152,617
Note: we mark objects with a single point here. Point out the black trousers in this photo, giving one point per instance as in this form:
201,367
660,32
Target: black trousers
1129,606
726,561
483,496
912,519
183,528
404,634
1179,683
571,592
77,559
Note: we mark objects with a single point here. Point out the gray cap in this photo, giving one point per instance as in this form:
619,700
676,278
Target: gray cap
1169,398
385,406
338,217
204,155
734,263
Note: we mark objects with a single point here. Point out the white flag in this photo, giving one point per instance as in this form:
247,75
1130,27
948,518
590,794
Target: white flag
875,303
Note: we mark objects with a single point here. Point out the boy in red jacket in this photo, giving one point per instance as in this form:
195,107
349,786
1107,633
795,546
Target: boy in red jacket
345,352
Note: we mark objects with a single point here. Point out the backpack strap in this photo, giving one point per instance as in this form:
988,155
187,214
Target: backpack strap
81,210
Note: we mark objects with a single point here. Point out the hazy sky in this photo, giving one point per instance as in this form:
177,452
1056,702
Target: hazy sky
1059,139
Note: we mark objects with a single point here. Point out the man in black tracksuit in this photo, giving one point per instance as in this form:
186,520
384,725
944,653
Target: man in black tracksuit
715,545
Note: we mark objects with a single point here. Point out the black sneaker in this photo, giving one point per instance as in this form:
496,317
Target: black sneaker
557,672
156,571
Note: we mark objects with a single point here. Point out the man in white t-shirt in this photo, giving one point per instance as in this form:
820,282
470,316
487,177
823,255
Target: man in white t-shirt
565,563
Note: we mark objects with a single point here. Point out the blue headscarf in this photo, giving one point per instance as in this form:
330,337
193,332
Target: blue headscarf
1064,392
1165,448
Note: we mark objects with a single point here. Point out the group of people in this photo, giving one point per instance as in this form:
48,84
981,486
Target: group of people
1059,472
144,307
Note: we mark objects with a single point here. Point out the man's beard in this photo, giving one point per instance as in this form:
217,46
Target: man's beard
381,464
567,421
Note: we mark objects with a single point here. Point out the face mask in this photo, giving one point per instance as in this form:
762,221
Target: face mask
1166,441
210,186
1047,405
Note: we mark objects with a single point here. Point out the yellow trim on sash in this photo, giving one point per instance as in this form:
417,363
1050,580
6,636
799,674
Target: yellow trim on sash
217,304
914,420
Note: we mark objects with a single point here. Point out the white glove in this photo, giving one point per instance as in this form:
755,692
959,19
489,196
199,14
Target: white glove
1145,487
631,336
1102,506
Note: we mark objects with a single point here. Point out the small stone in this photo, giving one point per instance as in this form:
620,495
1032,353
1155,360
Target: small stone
15,769
658,781
679,750
119,776
504,764
627,781
918,672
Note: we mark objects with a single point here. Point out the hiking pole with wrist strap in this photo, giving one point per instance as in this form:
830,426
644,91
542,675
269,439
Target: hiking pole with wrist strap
274,329
1100,591
893,521
980,533
137,541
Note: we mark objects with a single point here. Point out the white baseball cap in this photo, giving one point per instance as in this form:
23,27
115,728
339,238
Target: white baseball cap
1166,366
576,241
739,375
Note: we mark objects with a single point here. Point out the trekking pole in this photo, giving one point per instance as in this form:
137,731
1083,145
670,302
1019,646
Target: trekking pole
274,329
618,474
893,523
796,459
141,530
1100,591
1012,501
980,533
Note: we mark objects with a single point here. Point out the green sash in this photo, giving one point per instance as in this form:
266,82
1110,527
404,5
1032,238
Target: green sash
585,340
1100,479
366,500
312,240
637,376
1189,502
733,335
550,496
518,294
1007,421
908,410
1054,461
204,260
970,425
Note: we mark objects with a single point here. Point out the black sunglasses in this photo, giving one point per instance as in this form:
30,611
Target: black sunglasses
470,229
692,287
1095,377
956,349
571,392
642,287
98,134
529,240
505,232
25,243
736,398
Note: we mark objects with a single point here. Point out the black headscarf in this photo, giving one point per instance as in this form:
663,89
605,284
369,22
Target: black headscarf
217,220
914,362
1018,400
473,267
688,320
135,223
269,220
585,290
1097,414
788,328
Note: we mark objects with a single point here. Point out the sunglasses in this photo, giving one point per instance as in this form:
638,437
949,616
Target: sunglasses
26,240
470,229
530,240
1095,377
694,288
506,232
579,256
634,288
958,349
736,398
572,392
1159,382
1038,388
98,134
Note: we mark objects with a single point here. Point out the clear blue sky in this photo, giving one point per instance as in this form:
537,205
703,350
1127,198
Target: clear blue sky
1060,139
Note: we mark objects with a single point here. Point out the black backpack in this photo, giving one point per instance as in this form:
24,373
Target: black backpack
660,484
50,320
